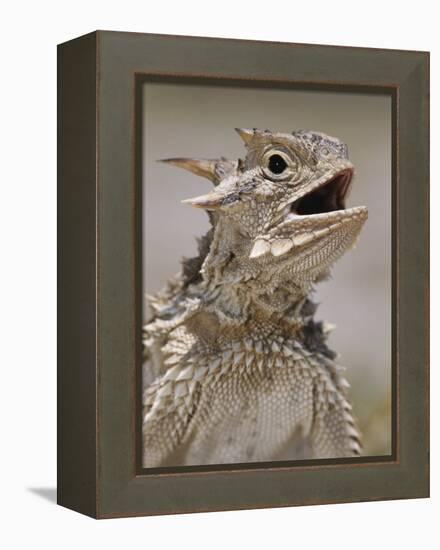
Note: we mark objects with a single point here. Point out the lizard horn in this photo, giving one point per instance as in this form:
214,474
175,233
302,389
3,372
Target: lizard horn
245,134
210,201
200,167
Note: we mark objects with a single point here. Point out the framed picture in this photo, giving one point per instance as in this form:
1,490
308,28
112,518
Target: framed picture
199,366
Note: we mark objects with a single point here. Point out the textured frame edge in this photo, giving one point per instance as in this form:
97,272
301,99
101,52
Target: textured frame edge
77,272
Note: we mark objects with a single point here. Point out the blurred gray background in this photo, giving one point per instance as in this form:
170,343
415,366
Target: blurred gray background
199,121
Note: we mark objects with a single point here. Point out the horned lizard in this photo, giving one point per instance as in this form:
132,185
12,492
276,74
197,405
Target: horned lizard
241,370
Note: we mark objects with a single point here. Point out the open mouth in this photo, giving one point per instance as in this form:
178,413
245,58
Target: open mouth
327,198
313,217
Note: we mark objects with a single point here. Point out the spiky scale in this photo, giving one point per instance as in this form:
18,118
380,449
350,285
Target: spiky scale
181,389
172,373
249,344
275,347
165,391
200,372
186,374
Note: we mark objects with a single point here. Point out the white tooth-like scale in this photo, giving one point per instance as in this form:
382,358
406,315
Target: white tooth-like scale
260,248
302,238
280,247
292,216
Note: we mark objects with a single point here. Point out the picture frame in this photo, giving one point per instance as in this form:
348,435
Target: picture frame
100,77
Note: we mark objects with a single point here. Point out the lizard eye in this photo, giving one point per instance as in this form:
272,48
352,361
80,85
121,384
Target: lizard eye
277,164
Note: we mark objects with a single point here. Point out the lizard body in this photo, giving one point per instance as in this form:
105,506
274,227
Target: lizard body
240,369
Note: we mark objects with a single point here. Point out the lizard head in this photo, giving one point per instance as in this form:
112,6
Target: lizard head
280,217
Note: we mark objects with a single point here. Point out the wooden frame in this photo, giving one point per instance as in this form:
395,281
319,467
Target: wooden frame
100,78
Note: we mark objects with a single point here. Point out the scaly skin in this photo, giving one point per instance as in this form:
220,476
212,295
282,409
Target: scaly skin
239,370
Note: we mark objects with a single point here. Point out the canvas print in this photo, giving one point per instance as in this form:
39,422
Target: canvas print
241,359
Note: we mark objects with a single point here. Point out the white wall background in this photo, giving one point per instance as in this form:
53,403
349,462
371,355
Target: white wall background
30,31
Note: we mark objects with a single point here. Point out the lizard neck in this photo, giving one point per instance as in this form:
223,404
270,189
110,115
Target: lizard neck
244,289
250,302
227,317
240,289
